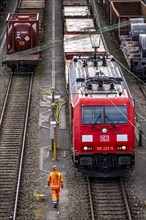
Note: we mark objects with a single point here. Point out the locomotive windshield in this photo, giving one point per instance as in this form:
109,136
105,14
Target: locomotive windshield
104,115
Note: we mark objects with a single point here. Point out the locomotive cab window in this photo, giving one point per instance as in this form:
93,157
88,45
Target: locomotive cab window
92,115
115,115
104,115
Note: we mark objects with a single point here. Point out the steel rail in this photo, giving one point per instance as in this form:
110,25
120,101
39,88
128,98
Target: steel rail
142,85
125,199
90,196
4,109
23,147
5,100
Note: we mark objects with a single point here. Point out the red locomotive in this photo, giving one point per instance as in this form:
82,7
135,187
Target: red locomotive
102,117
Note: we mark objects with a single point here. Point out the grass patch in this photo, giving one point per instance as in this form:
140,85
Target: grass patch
40,69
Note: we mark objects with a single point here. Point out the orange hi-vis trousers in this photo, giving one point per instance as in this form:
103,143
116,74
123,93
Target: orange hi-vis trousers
55,195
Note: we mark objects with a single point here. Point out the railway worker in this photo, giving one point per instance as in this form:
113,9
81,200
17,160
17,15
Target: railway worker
55,181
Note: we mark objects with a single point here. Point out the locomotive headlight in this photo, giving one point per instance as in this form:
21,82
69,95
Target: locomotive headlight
121,147
104,130
124,147
86,148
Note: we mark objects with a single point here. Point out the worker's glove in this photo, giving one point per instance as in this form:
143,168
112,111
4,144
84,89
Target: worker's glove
46,186
62,186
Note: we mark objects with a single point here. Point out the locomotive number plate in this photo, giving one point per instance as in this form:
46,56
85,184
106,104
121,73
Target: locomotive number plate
104,138
105,148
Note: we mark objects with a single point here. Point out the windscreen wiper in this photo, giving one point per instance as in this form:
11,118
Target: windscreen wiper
99,116
114,125
95,122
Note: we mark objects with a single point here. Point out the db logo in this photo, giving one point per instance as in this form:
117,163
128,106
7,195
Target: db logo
104,138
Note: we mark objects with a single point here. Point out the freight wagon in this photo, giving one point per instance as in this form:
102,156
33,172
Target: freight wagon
128,17
24,35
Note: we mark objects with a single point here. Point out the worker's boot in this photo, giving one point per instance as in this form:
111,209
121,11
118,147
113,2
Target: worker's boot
55,204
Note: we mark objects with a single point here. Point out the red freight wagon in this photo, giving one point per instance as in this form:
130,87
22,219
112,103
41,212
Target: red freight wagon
22,40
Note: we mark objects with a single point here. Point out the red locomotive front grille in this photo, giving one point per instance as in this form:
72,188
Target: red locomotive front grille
107,142
101,143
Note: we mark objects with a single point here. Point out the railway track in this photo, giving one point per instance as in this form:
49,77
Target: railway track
14,196
109,200
13,124
143,87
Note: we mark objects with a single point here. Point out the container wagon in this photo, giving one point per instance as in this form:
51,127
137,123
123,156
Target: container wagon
24,35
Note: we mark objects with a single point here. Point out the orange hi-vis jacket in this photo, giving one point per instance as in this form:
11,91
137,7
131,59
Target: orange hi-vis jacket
55,180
